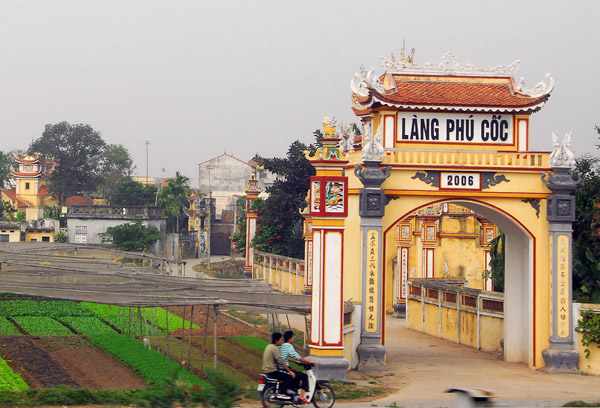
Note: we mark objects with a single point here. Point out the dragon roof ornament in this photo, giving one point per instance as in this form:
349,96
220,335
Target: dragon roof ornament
448,65
365,80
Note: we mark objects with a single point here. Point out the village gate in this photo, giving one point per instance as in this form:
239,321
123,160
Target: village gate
441,132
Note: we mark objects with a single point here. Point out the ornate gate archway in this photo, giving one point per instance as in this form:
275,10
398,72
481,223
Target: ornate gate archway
441,132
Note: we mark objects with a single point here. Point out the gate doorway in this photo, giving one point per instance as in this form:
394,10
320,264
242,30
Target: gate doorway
517,303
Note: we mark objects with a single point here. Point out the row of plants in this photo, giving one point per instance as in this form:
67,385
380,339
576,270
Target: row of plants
42,326
9,379
87,325
114,315
149,364
49,308
6,327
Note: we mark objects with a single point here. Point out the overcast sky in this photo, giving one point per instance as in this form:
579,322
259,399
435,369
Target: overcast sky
200,78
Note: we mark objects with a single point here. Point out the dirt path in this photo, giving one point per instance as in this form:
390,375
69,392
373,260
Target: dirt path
423,367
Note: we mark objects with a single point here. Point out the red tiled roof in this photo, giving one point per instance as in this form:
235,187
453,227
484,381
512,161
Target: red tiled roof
26,159
12,195
79,200
30,174
43,191
469,93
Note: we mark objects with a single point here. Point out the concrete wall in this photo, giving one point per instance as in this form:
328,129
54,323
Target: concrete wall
462,315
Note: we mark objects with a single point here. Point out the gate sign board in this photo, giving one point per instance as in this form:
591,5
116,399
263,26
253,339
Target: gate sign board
455,128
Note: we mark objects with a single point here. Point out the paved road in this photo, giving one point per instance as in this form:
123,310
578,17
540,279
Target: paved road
424,367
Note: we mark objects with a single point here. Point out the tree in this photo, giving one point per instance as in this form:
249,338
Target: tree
133,193
115,167
496,271
279,226
75,150
132,236
172,199
6,164
7,210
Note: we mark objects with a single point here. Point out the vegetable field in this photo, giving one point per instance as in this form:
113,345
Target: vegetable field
100,346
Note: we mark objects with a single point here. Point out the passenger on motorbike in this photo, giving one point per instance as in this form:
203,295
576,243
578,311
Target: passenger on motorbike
271,360
288,352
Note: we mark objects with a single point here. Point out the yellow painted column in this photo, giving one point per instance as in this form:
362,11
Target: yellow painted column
252,192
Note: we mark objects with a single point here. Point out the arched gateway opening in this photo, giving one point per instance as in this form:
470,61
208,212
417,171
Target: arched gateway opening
517,306
437,133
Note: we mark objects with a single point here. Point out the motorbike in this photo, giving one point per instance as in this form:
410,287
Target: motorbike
319,392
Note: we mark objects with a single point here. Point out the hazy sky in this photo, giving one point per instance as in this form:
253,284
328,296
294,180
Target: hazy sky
200,78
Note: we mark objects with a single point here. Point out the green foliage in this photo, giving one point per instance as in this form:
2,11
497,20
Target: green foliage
6,327
252,318
253,343
589,326
115,167
221,393
149,364
587,271
132,236
41,326
172,199
76,150
64,396
6,164
7,210
52,212
131,192
9,380
87,325
60,237
496,271
111,314
239,237
279,226
586,241
45,308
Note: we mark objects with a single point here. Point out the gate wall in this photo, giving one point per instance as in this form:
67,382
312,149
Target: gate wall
455,313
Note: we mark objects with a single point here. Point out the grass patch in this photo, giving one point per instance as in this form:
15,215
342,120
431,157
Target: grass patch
252,318
349,391
582,404
253,343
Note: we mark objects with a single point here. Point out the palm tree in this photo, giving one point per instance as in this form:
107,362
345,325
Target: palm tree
173,198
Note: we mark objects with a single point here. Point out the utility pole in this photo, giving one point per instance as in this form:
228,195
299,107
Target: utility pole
147,143
209,167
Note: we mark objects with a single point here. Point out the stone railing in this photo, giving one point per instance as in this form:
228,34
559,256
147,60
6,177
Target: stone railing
516,160
446,309
108,211
282,273
188,236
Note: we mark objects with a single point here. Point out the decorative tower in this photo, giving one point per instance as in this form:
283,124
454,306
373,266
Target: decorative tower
328,209
371,352
561,356
252,192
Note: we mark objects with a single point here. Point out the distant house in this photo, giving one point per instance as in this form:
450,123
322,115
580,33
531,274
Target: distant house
40,230
226,176
10,231
86,222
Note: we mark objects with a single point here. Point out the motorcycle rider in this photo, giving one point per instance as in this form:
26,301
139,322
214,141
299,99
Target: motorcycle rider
288,352
271,360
